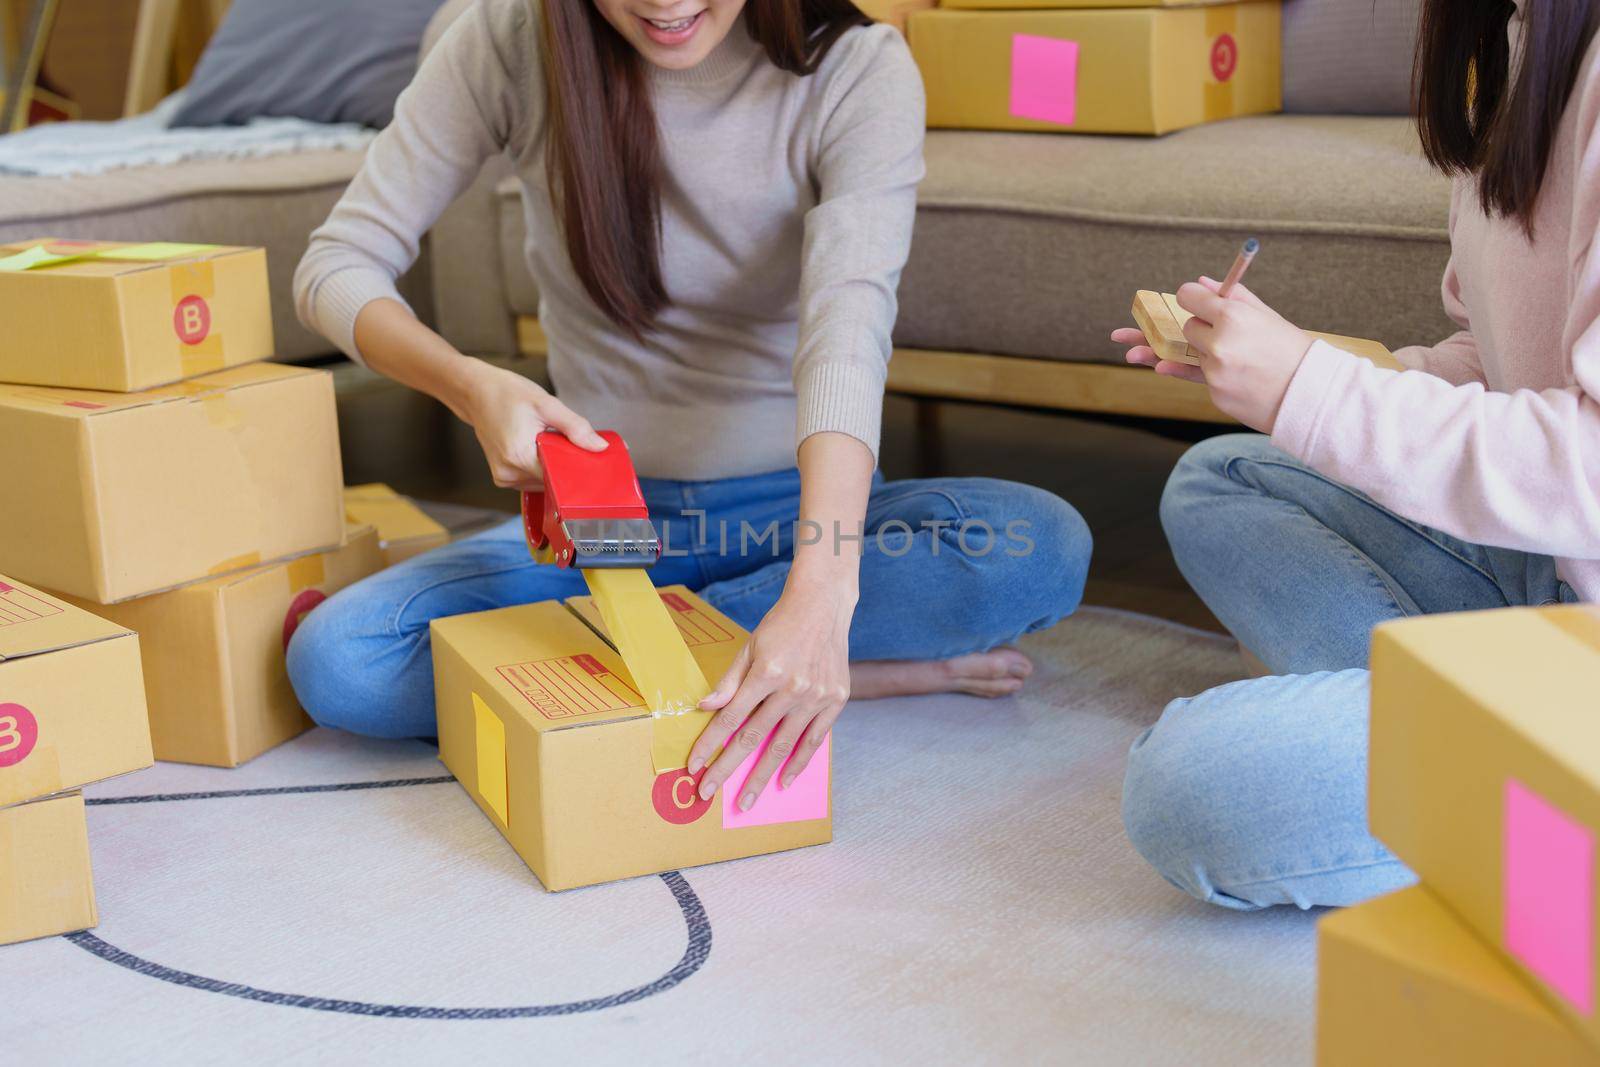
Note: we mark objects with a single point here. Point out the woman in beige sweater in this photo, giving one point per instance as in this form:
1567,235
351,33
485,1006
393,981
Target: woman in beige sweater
719,197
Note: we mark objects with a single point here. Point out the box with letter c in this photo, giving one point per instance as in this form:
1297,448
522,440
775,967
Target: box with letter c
1148,69
541,723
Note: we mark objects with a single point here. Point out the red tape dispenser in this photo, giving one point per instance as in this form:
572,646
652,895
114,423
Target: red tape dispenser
592,513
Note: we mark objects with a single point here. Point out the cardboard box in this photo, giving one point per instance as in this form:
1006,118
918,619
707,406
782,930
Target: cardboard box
1125,70
119,317
213,652
72,705
895,12
404,530
1485,780
116,495
46,885
1400,980
541,723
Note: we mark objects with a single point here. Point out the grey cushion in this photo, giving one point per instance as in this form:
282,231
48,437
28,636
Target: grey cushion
1034,244
274,202
322,60
1349,57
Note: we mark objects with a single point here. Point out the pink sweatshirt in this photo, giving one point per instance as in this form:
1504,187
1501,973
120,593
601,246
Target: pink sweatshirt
1493,435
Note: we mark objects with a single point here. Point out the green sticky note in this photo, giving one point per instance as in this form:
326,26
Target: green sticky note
155,251
36,257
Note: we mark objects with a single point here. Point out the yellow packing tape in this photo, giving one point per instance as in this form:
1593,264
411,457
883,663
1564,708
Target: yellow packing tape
306,572
1580,622
490,741
663,669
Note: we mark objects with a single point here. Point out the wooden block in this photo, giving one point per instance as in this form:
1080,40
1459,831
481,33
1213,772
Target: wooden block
1162,329
1161,319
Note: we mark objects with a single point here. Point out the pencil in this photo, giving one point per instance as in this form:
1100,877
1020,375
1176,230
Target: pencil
1240,265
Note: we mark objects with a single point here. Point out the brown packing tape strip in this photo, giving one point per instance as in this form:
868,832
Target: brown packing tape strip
1221,19
236,563
222,412
37,776
199,279
306,572
1580,622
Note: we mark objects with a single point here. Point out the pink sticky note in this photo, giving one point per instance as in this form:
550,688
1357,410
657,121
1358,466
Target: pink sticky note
806,797
1044,79
1548,890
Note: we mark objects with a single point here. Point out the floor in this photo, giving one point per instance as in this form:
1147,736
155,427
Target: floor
1111,470
340,900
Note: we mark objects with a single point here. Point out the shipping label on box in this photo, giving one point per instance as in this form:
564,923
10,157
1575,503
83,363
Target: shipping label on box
1124,70
404,530
121,317
213,652
542,724
46,884
113,495
1485,780
1401,980
72,707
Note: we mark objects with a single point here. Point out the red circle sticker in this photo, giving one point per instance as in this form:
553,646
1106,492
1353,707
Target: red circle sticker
676,796
191,319
299,608
19,732
1224,57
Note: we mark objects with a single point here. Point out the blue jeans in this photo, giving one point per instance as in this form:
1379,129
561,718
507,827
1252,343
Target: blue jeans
949,566
1254,794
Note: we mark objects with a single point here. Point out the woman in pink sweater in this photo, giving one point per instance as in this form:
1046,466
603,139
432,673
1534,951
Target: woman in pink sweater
1469,481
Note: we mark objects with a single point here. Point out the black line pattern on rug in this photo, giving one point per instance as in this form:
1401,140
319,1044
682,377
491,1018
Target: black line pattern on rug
273,791
695,953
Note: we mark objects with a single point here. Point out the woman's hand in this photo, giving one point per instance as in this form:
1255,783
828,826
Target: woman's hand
1248,352
790,681
792,678
507,412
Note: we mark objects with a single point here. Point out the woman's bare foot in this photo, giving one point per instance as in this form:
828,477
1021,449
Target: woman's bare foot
996,673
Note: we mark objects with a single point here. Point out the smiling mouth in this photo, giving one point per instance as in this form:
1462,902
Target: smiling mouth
673,27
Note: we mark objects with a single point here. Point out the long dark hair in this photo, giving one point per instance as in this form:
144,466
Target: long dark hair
603,155
1476,115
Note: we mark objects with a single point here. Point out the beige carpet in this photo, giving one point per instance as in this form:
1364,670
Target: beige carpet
979,904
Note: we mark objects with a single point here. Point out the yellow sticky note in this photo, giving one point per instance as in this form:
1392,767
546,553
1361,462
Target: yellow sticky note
155,251
491,743
663,669
36,257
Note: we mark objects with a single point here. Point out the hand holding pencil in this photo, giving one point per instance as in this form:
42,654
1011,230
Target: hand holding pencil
1248,353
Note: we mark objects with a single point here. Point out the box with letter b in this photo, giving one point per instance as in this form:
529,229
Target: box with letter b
124,317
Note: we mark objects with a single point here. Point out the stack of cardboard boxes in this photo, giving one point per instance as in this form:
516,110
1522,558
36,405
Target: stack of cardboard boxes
72,711
176,506
1097,66
160,476
1485,781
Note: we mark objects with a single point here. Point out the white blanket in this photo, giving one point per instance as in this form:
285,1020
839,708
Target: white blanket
69,149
